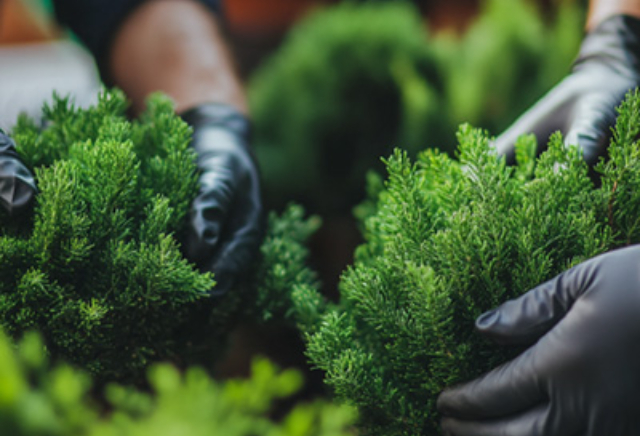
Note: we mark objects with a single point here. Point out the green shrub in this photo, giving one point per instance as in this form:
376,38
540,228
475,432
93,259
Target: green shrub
506,60
37,400
349,83
99,269
355,80
449,239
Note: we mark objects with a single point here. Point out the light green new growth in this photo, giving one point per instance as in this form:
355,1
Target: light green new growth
449,239
194,405
38,400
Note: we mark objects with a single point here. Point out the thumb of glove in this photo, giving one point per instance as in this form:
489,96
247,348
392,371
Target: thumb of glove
524,320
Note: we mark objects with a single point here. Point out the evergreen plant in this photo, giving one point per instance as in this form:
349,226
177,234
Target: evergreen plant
98,269
39,399
448,239
354,80
349,82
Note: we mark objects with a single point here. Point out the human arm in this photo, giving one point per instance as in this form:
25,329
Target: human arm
600,10
176,46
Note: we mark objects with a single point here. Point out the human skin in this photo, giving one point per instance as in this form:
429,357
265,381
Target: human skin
177,47
600,10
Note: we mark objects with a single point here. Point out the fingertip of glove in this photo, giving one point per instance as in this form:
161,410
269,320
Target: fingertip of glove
591,144
444,402
501,328
488,319
224,283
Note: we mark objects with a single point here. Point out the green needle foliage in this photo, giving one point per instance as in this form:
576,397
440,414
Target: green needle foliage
39,400
354,80
283,270
449,239
99,269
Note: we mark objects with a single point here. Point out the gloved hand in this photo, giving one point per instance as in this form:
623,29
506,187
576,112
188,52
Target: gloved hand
226,217
17,186
582,106
582,374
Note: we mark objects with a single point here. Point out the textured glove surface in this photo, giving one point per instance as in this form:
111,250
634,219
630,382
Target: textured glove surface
17,186
580,377
582,106
226,217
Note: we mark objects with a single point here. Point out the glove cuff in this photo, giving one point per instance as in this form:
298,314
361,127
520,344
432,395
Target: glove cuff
221,116
616,39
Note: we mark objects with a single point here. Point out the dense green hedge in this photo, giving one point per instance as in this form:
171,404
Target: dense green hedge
98,269
449,239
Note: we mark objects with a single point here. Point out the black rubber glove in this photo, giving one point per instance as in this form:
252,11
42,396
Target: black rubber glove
582,106
581,377
226,217
17,186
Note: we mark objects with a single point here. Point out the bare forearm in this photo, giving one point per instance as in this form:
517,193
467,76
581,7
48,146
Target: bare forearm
174,46
600,10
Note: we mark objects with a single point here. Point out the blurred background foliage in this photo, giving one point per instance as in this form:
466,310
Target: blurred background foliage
354,80
335,84
351,80
349,83
41,399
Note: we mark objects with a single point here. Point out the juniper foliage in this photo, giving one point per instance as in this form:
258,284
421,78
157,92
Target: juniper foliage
99,269
39,399
284,267
449,239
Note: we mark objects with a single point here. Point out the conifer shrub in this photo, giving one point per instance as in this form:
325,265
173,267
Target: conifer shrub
98,269
349,83
39,399
447,239
352,81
